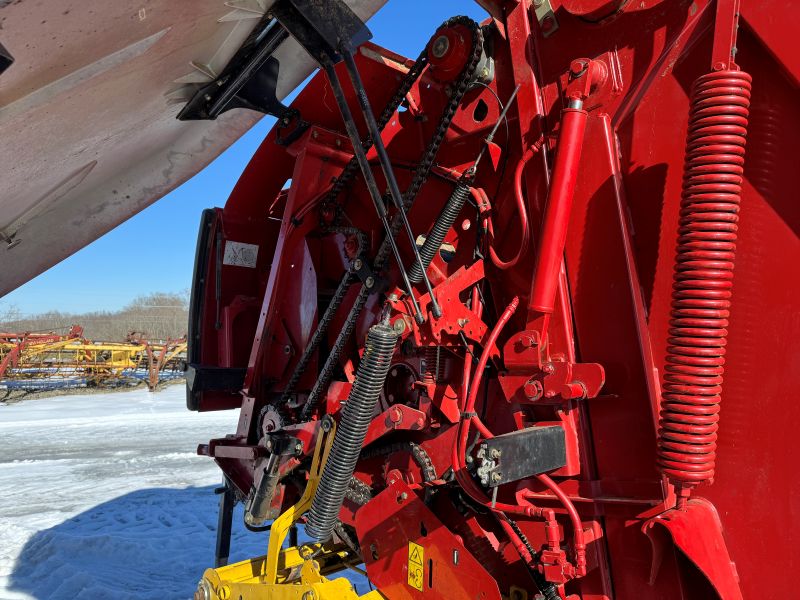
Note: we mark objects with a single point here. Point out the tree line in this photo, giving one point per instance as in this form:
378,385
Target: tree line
156,316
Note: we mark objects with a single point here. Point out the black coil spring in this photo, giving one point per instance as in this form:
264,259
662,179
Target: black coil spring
443,223
356,416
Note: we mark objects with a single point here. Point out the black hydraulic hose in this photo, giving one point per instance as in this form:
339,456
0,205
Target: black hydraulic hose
443,223
356,416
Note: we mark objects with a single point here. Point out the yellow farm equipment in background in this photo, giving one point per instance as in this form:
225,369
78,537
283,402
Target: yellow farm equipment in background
50,360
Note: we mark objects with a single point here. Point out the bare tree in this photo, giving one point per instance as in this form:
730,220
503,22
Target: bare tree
156,316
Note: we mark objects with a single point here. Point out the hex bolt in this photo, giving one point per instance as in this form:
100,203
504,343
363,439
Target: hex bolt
402,497
370,281
440,46
494,453
400,325
357,264
495,477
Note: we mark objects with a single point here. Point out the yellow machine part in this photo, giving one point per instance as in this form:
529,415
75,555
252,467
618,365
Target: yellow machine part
295,573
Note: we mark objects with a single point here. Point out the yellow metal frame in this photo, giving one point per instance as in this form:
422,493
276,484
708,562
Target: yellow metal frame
296,573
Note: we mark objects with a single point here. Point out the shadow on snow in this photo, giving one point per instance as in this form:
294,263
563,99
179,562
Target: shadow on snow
149,544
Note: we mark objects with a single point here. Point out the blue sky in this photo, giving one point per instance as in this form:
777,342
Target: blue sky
165,233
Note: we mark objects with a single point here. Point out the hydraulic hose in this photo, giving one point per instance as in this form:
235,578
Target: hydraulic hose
356,416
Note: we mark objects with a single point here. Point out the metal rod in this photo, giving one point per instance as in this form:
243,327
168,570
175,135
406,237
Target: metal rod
492,133
386,166
369,178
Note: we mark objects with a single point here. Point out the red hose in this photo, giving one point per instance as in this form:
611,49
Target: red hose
521,210
577,525
460,445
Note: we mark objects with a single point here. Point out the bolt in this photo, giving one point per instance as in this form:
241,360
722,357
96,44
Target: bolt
469,460
533,389
495,477
396,415
370,281
298,447
268,445
402,497
357,264
338,143
309,595
466,224
440,46
315,134
393,372
494,453
287,349
399,326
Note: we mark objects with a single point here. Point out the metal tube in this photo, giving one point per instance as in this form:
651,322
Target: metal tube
386,166
559,206
369,178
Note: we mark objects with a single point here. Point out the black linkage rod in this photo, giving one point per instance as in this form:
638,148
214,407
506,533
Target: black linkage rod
369,178
386,165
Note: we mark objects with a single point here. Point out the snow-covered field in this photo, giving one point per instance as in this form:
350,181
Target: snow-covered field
103,497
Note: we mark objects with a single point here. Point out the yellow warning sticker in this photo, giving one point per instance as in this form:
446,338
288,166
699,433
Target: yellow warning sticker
416,562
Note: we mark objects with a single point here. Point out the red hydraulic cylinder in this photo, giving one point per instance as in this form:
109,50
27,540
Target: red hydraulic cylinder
559,206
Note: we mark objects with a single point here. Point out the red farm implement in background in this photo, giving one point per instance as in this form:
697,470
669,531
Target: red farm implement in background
479,312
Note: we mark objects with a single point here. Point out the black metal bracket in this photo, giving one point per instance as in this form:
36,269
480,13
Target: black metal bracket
249,81
321,27
521,454
6,60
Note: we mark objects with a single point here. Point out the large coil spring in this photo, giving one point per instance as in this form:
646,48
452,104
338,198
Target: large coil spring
356,416
703,277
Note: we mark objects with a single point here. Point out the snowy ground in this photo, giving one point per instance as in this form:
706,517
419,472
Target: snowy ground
103,497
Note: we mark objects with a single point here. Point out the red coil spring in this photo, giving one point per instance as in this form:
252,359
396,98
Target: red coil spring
703,277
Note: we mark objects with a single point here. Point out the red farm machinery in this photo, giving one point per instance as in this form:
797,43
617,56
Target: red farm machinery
514,318
475,308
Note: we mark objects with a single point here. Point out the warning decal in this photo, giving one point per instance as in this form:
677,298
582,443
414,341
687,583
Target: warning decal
416,560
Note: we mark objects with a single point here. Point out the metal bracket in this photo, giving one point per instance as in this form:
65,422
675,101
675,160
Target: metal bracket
248,81
5,59
546,17
521,454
